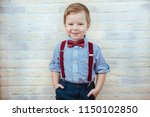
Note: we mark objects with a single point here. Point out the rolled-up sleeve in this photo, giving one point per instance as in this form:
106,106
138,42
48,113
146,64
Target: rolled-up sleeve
55,64
100,64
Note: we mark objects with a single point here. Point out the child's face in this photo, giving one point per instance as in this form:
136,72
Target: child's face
76,25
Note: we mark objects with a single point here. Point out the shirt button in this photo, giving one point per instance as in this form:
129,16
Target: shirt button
74,62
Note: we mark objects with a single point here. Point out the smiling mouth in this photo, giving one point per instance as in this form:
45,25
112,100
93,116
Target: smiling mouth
75,33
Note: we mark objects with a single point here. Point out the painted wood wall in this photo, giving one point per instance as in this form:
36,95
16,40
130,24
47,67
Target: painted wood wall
29,30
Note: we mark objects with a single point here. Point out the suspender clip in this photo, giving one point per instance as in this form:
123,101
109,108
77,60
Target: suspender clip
61,50
90,54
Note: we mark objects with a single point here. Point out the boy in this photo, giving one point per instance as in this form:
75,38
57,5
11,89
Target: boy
76,63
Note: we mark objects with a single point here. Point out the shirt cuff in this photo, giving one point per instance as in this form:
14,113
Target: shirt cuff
54,67
102,69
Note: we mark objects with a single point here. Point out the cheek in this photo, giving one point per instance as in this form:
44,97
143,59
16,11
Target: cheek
68,30
83,30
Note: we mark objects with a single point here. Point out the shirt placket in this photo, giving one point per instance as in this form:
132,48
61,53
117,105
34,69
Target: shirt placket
75,63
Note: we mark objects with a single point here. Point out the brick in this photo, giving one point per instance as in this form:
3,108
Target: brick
135,80
29,36
36,18
53,1
25,55
27,45
142,34
128,1
126,89
120,17
6,37
23,63
24,72
35,1
8,9
115,7
26,81
28,90
6,18
125,55
143,0
94,35
120,36
42,9
134,62
6,27
112,81
136,26
3,2
130,72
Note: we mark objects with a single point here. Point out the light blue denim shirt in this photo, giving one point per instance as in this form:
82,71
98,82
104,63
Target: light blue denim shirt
76,62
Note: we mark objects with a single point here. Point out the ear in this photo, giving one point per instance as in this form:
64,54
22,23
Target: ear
88,25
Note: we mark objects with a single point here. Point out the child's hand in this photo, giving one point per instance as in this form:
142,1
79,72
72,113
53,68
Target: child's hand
94,92
58,85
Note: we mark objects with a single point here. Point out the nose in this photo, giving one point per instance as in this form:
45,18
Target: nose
75,27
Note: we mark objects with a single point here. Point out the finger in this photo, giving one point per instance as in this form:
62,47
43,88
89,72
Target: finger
90,93
61,86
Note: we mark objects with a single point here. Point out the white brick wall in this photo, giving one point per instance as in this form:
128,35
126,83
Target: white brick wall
29,30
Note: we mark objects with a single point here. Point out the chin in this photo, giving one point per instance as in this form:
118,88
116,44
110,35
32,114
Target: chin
76,39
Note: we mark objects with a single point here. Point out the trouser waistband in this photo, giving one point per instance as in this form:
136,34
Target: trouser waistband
77,84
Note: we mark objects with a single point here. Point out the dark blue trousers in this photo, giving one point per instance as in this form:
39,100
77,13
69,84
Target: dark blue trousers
74,91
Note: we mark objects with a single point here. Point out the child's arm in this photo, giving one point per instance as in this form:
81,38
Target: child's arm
99,84
55,80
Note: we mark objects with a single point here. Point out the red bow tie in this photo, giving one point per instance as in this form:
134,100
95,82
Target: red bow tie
74,43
